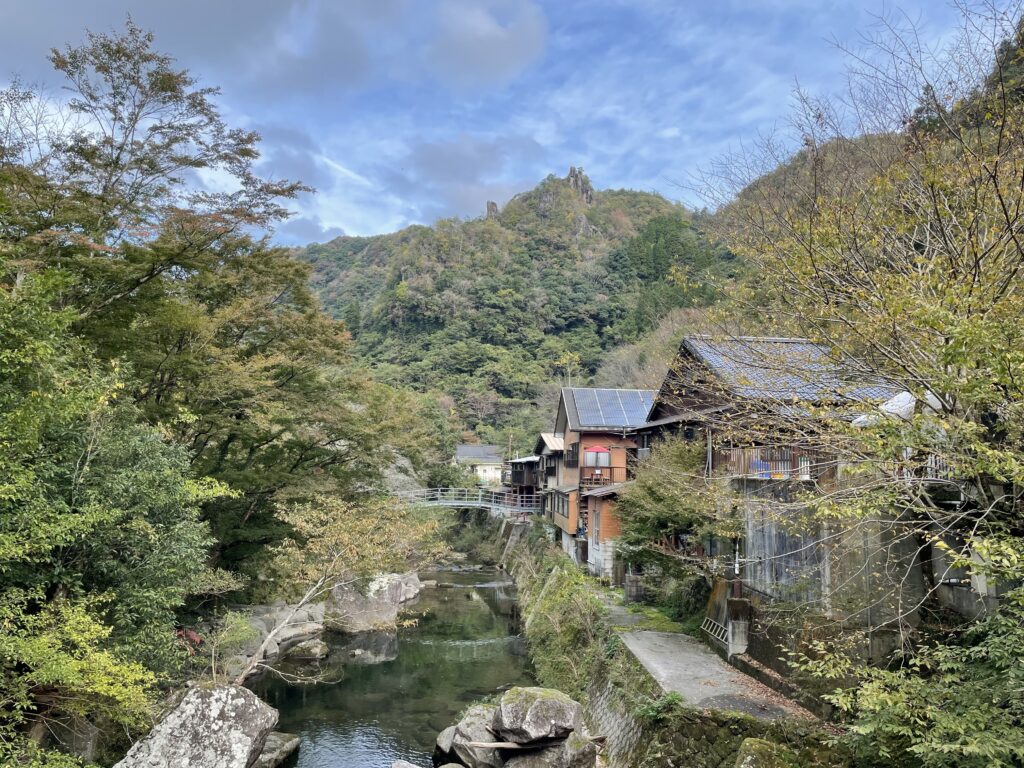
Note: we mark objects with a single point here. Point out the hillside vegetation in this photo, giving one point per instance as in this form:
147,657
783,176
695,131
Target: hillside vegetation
496,312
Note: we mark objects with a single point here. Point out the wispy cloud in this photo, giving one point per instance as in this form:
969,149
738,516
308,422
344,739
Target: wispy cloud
402,111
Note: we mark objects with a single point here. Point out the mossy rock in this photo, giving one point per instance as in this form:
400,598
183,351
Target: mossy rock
758,753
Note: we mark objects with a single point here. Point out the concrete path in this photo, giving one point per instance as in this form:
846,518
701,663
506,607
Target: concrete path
682,664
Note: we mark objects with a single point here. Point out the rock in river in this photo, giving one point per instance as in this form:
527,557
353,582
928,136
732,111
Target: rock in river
528,715
278,748
475,727
351,609
221,727
576,751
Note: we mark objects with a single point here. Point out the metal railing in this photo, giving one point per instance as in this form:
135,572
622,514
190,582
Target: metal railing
495,501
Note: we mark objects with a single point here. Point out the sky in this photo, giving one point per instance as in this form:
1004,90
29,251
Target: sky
404,111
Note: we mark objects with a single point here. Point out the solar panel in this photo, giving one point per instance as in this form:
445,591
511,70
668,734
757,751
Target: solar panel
612,407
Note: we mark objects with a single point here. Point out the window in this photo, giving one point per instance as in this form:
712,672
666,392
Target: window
572,455
597,457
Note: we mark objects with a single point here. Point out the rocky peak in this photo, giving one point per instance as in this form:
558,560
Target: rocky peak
492,209
580,184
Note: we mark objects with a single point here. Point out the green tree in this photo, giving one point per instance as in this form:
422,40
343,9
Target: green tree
100,538
898,250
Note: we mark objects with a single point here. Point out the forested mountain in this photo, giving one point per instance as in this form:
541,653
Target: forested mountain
495,311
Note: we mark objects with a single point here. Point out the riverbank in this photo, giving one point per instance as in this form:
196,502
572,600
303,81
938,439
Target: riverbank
668,717
395,690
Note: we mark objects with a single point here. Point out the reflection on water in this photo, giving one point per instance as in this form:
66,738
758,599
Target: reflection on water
396,695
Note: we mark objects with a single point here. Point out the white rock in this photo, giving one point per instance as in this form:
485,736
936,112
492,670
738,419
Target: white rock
221,727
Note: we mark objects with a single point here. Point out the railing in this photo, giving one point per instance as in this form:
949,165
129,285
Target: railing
773,463
503,503
596,476
806,465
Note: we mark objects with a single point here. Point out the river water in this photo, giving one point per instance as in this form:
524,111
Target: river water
396,692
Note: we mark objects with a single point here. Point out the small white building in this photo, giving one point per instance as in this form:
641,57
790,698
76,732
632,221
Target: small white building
485,461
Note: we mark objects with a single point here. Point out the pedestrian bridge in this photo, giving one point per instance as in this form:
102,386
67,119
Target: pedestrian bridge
496,502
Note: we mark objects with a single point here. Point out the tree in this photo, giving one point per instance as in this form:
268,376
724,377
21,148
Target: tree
338,543
227,348
892,239
100,538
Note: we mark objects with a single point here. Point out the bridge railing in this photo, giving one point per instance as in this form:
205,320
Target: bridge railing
507,503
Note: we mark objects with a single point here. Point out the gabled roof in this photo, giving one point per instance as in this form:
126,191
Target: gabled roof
478,454
605,409
551,442
781,369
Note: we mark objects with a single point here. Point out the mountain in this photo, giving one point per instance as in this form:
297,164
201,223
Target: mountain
495,312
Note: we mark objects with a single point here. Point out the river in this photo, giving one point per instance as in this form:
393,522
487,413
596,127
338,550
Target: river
396,692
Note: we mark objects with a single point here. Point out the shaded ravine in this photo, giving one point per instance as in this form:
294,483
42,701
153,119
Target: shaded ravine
397,692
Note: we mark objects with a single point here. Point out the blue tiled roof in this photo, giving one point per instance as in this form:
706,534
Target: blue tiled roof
783,369
607,408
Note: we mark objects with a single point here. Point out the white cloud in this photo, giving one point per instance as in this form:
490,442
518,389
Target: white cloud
482,43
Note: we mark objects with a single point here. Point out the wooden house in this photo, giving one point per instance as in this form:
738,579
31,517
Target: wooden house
585,462
750,400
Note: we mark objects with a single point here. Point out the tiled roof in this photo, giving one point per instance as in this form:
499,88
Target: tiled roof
606,408
781,369
484,454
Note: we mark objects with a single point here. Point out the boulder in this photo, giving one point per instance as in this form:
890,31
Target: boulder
294,633
313,649
221,727
278,748
349,609
528,715
475,725
403,764
443,753
576,751
411,586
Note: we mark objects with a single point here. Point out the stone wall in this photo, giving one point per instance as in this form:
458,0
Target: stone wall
640,724
607,714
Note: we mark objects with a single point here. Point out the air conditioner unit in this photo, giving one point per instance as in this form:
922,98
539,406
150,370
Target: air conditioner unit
643,453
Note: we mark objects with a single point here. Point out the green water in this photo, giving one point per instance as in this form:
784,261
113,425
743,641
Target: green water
464,647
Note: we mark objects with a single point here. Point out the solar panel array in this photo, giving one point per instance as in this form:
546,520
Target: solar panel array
613,407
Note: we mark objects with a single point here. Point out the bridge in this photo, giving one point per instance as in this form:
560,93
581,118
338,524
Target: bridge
496,502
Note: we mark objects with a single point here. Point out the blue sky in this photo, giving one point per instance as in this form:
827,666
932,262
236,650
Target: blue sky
404,111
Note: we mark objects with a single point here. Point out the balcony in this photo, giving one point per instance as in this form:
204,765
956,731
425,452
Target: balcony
593,477
774,463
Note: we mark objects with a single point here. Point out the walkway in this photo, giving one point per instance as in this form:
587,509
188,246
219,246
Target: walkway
688,667
683,665
499,503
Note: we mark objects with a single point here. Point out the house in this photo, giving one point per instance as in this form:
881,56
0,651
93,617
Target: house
750,401
485,461
523,476
584,463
